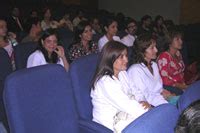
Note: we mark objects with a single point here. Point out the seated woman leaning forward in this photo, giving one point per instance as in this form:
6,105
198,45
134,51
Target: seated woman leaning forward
145,74
170,63
48,51
114,106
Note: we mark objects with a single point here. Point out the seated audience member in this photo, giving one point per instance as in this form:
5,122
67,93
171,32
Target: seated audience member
66,22
192,72
159,27
189,120
145,76
113,105
146,25
47,21
83,44
80,17
48,51
110,27
96,28
6,40
170,63
15,23
34,30
159,31
131,28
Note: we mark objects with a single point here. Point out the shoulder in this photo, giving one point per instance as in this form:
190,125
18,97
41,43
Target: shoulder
164,55
103,38
116,38
136,69
36,54
137,66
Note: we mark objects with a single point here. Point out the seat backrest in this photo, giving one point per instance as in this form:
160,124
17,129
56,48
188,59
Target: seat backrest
81,73
5,68
161,119
40,100
190,95
22,52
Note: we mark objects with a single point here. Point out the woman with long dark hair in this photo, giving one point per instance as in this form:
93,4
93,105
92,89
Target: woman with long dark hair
83,44
48,51
114,105
145,75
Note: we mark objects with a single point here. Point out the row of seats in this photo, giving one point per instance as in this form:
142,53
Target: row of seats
48,99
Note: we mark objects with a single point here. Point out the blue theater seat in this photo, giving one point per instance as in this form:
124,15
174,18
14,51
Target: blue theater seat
161,119
40,100
190,95
81,73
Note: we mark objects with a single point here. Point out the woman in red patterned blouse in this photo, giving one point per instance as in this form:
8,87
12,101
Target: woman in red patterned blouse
171,64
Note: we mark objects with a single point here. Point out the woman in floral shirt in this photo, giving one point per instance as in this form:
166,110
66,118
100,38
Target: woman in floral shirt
83,44
171,64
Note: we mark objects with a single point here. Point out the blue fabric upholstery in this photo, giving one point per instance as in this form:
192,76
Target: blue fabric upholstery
190,95
22,52
81,72
161,119
40,100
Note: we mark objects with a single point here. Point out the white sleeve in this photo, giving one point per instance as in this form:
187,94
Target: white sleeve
137,86
117,98
35,59
101,43
151,97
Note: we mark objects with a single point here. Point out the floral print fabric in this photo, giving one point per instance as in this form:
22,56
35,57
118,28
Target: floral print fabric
171,69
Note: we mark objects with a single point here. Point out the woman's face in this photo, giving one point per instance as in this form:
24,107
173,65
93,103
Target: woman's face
120,63
177,43
151,51
50,43
87,34
47,14
112,28
3,28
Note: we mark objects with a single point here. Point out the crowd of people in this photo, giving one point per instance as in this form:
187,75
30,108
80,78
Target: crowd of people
120,91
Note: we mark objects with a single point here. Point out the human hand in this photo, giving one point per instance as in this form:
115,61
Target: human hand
60,51
11,35
145,104
166,94
181,86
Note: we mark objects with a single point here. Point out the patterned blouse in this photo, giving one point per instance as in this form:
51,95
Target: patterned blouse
171,69
77,50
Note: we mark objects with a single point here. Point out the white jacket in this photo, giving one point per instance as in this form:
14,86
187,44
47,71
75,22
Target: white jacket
37,59
150,85
111,102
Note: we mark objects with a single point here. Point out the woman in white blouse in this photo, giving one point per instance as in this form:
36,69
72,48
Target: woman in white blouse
145,73
114,106
48,51
110,27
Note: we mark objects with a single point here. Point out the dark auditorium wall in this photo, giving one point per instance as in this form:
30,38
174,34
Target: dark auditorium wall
190,10
170,9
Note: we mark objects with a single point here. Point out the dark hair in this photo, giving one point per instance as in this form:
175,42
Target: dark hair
128,21
145,17
110,52
189,120
158,18
173,32
108,21
79,30
45,34
30,22
141,44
